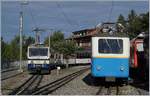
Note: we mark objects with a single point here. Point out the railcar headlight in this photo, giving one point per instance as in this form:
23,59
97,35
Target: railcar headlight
98,68
121,68
29,62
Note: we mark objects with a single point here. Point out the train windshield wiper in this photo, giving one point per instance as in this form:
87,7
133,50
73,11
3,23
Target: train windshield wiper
110,49
118,44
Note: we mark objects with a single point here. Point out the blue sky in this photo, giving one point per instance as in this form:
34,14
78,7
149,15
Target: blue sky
65,16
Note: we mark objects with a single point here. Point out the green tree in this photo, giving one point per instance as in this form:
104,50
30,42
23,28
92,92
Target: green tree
14,48
135,24
121,20
11,51
67,47
3,48
132,15
7,53
57,37
26,42
59,44
145,22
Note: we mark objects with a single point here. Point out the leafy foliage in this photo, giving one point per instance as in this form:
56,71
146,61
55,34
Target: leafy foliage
136,23
59,44
10,51
121,20
54,39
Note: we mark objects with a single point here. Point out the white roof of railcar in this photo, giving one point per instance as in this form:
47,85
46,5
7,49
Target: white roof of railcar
111,37
38,46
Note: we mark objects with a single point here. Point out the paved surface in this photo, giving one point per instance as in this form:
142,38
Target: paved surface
73,81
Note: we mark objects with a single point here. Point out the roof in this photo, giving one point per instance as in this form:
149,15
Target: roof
38,45
83,30
115,34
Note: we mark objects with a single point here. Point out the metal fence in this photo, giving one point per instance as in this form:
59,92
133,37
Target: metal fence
74,61
13,64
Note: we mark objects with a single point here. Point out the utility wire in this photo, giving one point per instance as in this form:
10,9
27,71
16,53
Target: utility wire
33,18
110,13
65,16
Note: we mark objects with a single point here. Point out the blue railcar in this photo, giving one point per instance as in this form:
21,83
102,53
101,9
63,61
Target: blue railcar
110,57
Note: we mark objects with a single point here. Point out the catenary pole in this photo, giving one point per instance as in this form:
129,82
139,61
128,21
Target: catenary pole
21,31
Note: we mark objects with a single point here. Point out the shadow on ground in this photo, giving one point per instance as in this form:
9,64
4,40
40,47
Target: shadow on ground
91,81
139,80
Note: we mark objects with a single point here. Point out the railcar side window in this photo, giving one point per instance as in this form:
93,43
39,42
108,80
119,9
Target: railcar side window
110,46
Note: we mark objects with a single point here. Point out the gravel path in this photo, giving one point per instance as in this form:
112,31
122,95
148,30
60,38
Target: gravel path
79,83
84,85
77,87
63,72
8,85
12,83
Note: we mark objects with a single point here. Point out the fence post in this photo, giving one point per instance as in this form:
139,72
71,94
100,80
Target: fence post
67,65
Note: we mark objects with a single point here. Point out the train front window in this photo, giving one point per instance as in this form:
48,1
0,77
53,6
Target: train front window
38,52
114,46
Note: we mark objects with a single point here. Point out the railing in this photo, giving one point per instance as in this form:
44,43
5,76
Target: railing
12,64
74,61
15,64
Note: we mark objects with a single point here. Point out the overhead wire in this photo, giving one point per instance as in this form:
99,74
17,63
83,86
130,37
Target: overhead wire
35,27
67,19
32,18
66,16
111,9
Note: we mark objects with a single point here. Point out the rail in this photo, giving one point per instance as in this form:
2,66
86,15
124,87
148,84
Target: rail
45,89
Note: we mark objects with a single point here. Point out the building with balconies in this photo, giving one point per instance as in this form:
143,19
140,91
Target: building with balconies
82,39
